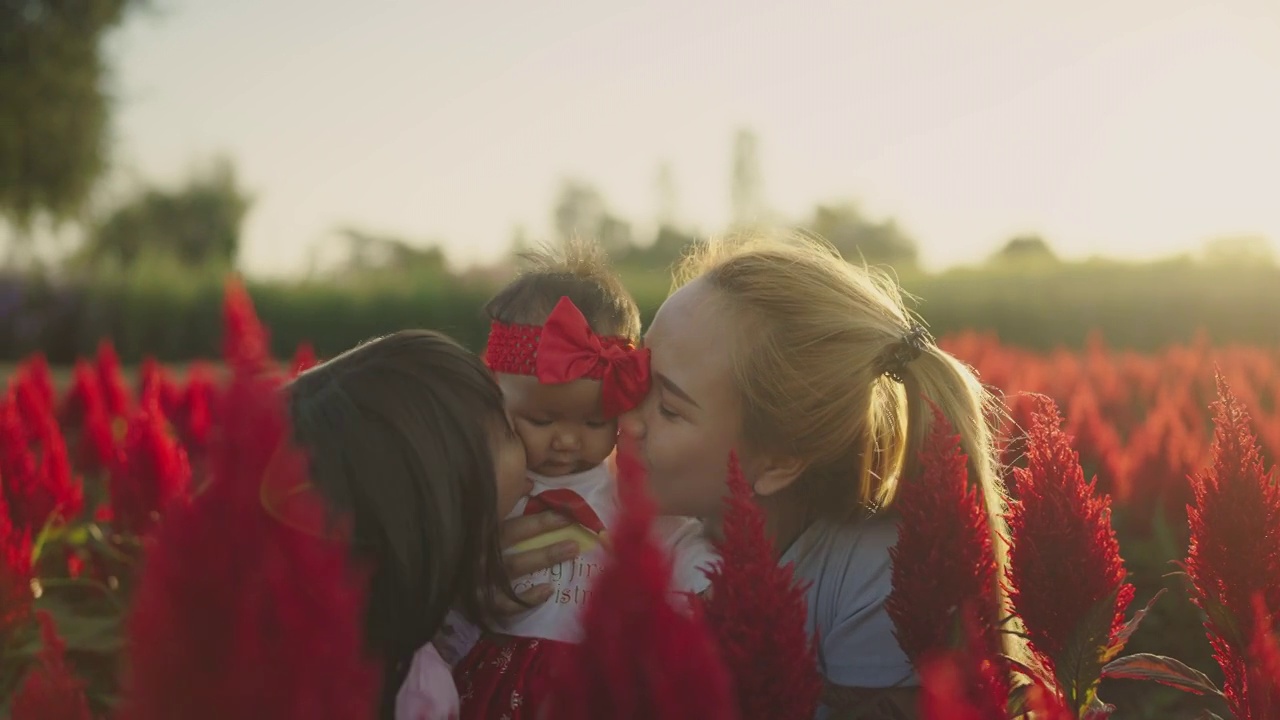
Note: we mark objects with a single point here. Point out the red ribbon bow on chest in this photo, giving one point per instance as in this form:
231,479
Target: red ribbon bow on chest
566,349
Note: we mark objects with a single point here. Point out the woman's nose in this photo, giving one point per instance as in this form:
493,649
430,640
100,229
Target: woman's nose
632,422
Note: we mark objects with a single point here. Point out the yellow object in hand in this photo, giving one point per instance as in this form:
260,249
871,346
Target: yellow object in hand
585,539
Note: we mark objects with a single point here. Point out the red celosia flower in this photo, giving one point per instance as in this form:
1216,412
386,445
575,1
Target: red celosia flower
304,358
1018,424
237,615
59,493
1161,456
41,486
245,338
17,467
1264,656
1065,567
37,481
154,471
37,371
969,683
15,573
943,560
111,380
1098,444
757,610
32,406
641,657
153,379
84,406
1234,552
50,690
944,691
198,406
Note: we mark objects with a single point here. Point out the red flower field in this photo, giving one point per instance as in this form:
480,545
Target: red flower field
1106,452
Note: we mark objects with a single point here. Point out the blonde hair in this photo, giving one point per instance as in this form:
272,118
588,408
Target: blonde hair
811,374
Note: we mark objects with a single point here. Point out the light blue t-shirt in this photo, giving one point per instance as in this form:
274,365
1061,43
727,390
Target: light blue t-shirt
850,575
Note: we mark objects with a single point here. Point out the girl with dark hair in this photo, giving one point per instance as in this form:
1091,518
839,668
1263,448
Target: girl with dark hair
407,436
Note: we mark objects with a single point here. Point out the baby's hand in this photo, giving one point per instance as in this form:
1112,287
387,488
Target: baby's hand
518,564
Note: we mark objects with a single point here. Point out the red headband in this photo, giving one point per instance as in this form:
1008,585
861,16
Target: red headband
565,349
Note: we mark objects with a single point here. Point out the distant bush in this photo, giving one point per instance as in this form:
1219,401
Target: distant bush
173,314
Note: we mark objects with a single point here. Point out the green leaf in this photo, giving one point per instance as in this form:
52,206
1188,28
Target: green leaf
1079,666
1017,706
77,536
1222,620
1167,544
46,534
1126,632
1161,669
1023,669
91,633
90,624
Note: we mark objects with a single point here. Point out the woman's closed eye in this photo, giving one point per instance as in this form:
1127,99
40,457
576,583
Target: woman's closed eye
667,412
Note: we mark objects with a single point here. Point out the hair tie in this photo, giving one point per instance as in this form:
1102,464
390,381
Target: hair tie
911,346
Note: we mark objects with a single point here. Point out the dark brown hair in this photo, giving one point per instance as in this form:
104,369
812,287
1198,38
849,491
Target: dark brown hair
397,431
579,271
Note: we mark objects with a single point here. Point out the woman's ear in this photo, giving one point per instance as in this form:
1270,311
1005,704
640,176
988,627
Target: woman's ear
776,473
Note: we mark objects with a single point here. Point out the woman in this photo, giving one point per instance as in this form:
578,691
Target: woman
814,372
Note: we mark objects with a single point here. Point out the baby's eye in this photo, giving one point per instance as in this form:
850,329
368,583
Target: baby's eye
597,424
538,422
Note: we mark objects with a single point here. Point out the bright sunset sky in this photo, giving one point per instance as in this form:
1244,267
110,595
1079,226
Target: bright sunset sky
1128,127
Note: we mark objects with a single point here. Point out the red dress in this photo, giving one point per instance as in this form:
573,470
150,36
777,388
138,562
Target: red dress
504,677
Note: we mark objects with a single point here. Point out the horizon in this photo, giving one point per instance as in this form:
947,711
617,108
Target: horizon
1131,131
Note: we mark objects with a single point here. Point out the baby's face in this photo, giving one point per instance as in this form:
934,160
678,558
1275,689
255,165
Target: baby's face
562,427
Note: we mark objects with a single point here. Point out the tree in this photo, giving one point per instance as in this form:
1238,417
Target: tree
859,238
747,192
198,224
665,190
1024,249
353,254
53,105
520,243
581,211
1237,251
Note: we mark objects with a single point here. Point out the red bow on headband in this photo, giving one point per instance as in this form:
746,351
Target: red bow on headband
566,349
569,351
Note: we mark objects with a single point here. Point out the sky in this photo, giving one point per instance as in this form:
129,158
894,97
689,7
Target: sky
1132,128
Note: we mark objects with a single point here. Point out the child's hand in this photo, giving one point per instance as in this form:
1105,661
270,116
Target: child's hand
518,529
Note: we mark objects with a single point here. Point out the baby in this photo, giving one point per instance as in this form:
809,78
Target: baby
563,346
